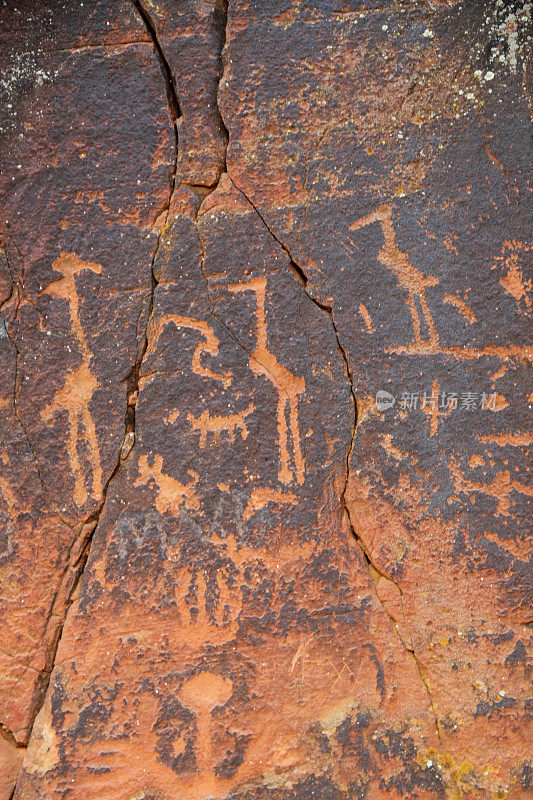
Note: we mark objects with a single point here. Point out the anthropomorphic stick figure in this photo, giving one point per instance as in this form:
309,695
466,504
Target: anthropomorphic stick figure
80,383
288,386
409,278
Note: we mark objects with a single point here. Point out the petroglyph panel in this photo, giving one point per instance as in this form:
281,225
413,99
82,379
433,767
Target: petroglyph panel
75,247
264,293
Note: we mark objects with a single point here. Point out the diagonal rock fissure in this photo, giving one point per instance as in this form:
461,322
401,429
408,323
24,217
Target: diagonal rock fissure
71,578
366,556
225,6
78,554
170,83
9,737
302,278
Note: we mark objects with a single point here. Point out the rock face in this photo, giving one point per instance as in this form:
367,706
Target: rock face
264,293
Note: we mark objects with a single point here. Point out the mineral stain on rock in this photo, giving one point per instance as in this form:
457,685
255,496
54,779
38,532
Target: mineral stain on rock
264,293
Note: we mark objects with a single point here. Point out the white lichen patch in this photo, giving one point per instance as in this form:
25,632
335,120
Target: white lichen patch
508,32
22,74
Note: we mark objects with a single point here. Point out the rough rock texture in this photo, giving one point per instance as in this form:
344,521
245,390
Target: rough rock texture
227,570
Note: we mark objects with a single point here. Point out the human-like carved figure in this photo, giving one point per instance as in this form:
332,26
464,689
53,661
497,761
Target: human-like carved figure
201,694
409,278
431,406
500,488
288,386
80,383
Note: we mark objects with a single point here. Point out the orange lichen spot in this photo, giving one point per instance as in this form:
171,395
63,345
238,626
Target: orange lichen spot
476,461
448,243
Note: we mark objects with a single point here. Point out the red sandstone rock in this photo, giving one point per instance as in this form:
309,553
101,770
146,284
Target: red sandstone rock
226,571
88,147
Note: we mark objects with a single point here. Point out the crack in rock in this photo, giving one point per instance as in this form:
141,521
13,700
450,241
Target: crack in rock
302,278
80,549
366,556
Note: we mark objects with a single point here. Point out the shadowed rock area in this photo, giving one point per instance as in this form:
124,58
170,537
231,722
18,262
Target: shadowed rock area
265,295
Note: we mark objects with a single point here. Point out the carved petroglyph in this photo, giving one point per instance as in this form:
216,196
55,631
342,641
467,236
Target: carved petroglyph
208,344
430,406
523,354
500,488
208,606
416,282
202,694
9,495
288,386
80,383
366,318
135,755
262,496
513,282
515,439
409,278
461,307
171,494
214,425
216,428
